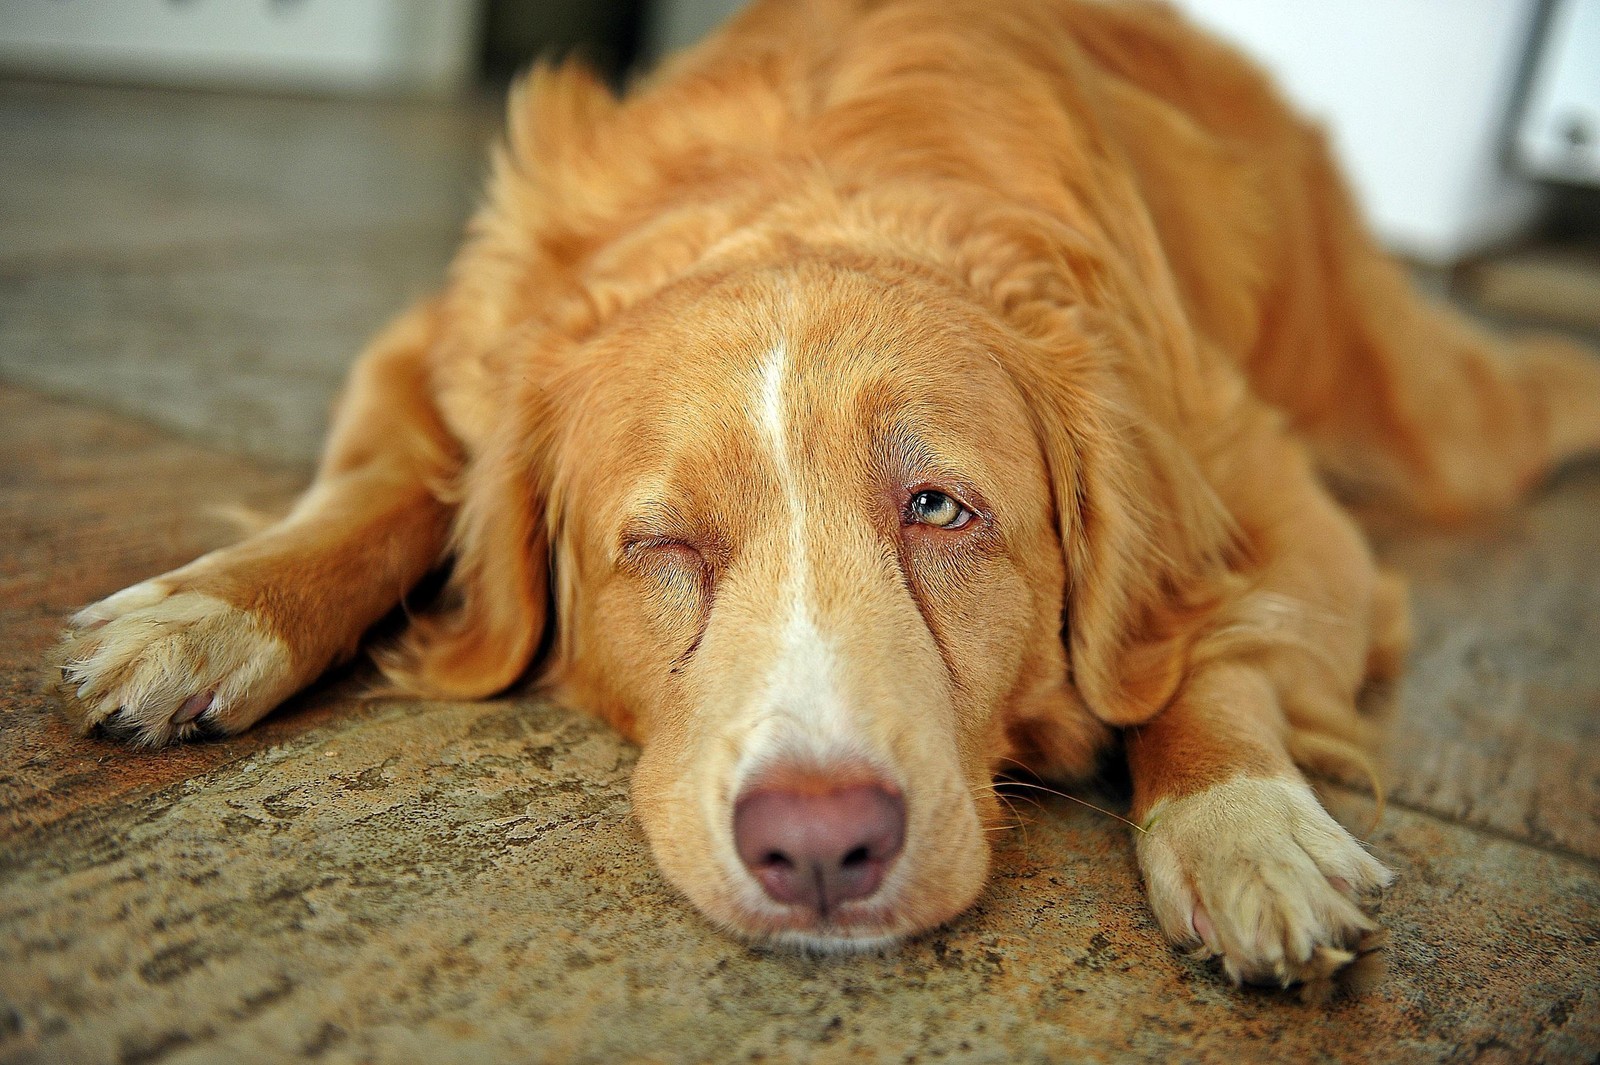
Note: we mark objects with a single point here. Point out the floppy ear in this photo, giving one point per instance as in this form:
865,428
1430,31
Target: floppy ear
1144,538
481,633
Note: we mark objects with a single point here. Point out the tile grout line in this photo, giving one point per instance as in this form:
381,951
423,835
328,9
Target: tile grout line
1504,836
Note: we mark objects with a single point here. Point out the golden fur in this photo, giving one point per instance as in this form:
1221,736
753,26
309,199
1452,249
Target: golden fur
1075,265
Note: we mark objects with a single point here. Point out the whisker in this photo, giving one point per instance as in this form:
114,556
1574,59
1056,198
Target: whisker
1052,791
1073,798
1018,823
1024,766
1016,815
1007,799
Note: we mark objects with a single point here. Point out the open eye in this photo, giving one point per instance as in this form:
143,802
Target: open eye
932,507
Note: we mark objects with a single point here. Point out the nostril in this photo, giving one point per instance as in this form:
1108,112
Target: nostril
856,857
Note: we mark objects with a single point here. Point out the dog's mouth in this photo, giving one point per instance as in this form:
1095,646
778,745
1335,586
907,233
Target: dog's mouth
835,938
849,927
915,897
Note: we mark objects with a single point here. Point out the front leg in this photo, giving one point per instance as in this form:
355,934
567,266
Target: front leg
212,647
1240,860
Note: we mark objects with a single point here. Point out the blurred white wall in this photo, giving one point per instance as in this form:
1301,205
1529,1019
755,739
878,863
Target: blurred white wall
1416,94
326,45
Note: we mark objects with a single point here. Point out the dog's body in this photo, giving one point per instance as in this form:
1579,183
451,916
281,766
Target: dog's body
800,400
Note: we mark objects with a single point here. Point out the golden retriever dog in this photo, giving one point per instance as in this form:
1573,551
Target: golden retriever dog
887,393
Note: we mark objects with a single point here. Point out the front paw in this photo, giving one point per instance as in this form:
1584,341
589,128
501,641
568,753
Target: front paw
150,666
1256,872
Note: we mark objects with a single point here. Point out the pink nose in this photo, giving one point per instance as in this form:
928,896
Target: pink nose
819,849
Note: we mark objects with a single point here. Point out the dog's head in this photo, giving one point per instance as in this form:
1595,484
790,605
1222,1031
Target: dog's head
813,531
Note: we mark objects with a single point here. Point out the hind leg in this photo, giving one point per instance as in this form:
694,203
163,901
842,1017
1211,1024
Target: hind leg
1403,399
1465,423
211,647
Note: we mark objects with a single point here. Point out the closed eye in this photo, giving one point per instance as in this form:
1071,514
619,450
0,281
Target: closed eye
655,548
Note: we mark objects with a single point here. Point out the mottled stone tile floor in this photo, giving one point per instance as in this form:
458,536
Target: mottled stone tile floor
212,262
405,881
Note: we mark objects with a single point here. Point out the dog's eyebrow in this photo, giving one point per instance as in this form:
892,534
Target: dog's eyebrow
913,459
656,518
653,517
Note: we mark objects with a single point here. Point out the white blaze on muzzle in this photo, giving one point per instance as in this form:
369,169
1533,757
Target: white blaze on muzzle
798,710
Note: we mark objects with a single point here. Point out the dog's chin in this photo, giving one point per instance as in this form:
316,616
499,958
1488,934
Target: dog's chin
869,927
860,933
854,941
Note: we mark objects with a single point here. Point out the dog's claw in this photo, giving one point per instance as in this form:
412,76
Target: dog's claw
179,667
116,726
1265,879
193,707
